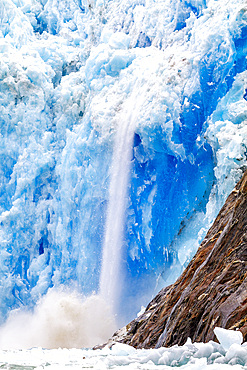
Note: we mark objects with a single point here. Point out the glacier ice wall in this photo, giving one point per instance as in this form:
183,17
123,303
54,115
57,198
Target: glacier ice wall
68,71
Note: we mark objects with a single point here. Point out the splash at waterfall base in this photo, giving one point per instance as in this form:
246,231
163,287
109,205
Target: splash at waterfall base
62,319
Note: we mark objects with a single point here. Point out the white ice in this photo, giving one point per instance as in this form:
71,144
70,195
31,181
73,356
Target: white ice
228,337
196,356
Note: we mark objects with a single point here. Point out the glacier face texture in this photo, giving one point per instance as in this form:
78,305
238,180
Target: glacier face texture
71,73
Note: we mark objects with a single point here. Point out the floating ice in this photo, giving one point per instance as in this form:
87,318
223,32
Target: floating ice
196,356
228,337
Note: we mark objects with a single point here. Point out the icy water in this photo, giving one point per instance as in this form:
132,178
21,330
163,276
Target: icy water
198,356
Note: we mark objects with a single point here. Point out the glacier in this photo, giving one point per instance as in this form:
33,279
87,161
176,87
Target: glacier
72,73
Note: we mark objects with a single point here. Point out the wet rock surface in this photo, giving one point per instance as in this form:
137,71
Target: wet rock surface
211,292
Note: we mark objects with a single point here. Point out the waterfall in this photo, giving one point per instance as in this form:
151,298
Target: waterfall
110,284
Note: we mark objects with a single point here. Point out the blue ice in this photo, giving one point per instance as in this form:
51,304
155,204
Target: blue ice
68,71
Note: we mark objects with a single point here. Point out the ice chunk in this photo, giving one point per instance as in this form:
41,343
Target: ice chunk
236,354
228,337
141,312
121,349
119,40
205,350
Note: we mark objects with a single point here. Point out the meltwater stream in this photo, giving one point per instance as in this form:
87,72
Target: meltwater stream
110,283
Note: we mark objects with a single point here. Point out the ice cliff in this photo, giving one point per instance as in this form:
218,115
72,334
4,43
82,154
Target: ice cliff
72,72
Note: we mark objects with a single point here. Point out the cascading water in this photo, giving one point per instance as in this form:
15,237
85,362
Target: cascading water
110,278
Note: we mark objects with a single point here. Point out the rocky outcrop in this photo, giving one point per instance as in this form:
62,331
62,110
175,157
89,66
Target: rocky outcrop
212,291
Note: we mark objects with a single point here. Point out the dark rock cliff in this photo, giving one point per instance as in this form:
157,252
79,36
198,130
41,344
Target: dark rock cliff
212,291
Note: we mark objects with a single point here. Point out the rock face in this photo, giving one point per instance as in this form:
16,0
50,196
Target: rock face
212,291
